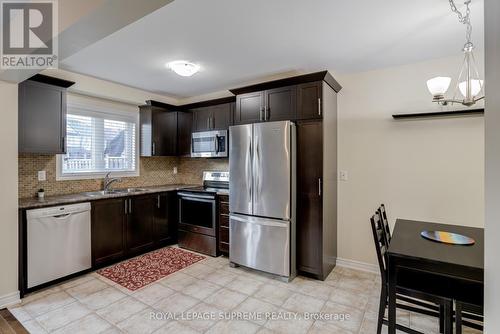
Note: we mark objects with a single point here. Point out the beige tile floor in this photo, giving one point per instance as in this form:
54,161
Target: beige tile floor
93,304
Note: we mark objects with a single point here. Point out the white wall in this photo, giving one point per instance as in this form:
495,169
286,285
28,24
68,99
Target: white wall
492,137
8,195
423,170
91,86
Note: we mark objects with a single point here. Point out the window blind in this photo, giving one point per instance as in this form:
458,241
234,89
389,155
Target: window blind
99,141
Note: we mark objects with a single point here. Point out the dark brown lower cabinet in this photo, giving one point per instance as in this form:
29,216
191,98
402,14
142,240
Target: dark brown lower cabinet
309,198
165,219
223,223
125,227
140,220
108,231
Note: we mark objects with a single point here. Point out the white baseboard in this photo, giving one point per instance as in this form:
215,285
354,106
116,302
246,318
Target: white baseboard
358,265
9,299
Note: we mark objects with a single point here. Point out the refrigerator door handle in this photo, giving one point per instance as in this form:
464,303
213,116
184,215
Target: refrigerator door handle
257,170
249,171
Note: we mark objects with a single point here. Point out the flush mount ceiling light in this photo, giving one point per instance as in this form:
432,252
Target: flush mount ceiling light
469,83
183,68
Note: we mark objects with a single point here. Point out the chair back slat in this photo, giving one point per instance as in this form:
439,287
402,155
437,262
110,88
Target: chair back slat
381,245
385,221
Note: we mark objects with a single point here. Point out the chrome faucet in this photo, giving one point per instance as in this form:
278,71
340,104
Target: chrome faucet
108,181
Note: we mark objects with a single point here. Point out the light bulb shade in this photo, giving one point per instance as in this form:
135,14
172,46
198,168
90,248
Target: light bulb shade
438,86
183,68
475,87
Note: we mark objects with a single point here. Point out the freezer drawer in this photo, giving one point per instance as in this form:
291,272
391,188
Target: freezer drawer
260,243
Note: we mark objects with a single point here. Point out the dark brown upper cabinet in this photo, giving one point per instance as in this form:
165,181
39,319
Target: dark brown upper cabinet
164,132
280,104
270,105
42,115
184,130
294,98
216,117
249,108
309,97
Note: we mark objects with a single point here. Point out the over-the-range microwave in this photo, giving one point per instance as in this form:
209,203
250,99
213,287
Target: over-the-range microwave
209,144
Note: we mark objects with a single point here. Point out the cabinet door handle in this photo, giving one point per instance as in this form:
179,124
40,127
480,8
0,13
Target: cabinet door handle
158,202
260,113
319,187
208,123
129,206
126,206
63,139
319,106
153,148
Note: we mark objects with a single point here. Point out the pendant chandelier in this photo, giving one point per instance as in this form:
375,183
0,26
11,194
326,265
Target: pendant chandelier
469,83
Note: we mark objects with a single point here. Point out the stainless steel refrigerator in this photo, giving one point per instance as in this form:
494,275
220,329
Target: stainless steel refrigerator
262,197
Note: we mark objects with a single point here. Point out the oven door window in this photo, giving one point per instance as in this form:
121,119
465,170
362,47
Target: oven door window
197,212
203,144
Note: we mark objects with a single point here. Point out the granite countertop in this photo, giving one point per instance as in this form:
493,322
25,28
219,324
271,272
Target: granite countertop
31,203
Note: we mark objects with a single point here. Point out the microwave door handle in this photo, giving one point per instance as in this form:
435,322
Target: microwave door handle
216,144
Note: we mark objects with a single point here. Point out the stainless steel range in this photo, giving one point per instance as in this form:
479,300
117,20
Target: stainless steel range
197,213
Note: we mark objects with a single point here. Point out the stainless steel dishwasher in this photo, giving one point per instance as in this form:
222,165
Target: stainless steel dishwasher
58,240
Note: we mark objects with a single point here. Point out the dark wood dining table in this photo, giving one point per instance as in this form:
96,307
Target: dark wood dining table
451,271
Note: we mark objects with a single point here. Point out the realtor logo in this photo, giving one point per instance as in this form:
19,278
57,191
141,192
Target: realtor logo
29,33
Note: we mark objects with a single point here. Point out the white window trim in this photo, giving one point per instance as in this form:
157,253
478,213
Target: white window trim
89,109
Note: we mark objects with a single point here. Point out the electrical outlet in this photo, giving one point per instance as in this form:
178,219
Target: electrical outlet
343,176
42,175
175,170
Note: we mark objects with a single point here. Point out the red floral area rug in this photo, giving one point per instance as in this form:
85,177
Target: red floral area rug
135,273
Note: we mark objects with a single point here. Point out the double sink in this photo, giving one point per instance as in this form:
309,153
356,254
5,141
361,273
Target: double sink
113,192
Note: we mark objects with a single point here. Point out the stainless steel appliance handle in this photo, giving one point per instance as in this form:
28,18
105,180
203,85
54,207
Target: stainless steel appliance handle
260,222
216,144
257,163
319,106
192,195
260,113
249,169
266,115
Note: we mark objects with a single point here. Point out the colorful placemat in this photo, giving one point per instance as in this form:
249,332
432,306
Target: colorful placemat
447,237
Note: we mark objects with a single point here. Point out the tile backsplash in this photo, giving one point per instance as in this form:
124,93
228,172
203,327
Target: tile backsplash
153,171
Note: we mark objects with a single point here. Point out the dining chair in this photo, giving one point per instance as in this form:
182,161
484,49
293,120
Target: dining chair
468,315
415,301
385,221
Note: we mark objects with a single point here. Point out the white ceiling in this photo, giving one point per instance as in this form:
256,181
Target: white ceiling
239,41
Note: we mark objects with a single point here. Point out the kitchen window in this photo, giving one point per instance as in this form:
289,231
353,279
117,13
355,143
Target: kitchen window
99,140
